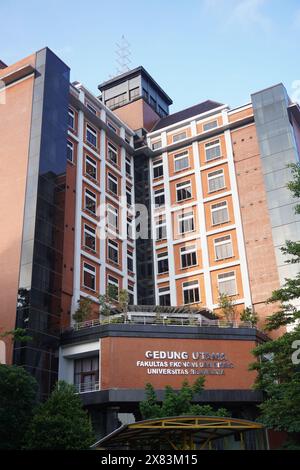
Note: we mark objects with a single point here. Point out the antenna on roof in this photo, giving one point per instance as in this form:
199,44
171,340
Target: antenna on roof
123,53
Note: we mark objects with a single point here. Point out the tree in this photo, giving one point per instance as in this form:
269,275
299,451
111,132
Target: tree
18,391
123,300
84,310
278,375
18,334
227,307
177,403
249,315
60,422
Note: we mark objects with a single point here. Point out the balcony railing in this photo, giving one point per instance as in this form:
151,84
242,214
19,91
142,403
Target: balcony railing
186,321
87,387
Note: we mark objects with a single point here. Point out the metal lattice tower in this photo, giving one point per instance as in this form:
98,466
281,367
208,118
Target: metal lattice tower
123,53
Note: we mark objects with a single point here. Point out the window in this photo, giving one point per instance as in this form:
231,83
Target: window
219,213
191,294
128,165
145,94
70,151
188,255
90,200
216,180
112,217
86,374
113,284
152,102
129,228
164,296
183,191
227,283
91,135
178,137
91,167
186,222
162,112
112,183
134,93
210,125
116,101
130,261
223,247
158,169
127,138
212,150
71,118
112,127
89,235
181,161
89,276
128,196
91,108
161,228
112,153
159,197
156,145
162,262
130,294
113,251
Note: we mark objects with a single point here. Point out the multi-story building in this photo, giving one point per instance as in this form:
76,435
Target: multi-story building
173,208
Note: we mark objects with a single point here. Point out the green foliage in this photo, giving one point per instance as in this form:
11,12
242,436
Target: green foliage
177,403
18,391
123,300
84,310
277,375
248,315
112,293
104,306
60,423
227,307
18,334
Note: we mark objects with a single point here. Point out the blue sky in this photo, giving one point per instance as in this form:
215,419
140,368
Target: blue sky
195,49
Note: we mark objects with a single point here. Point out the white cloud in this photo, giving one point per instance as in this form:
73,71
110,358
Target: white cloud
245,13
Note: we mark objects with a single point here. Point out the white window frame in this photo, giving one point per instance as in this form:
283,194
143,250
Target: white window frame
91,108
111,177
182,218
186,250
180,187
130,256
161,257
209,123
90,195
214,208
114,212
112,126
114,245
219,242
129,192
158,163
113,281
70,145
159,192
87,229
213,144
113,149
229,276
160,222
179,157
92,131
93,163
188,286
162,291
213,175
71,114
90,271
156,144
128,164
129,228
178,136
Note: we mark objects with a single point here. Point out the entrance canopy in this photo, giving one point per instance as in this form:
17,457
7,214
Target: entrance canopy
185,433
